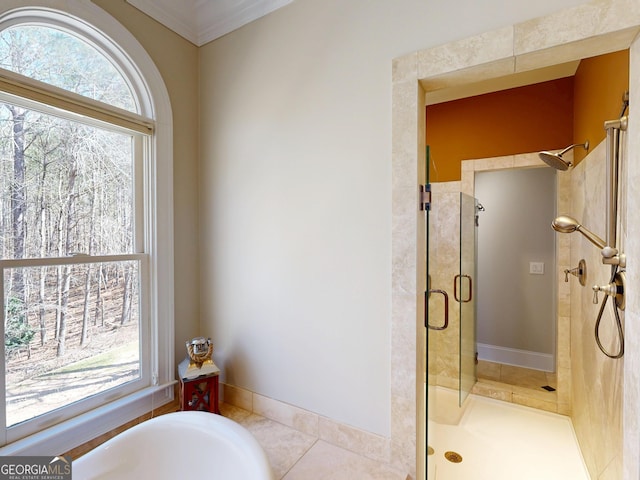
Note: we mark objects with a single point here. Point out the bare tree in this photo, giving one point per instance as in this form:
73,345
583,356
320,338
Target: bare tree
70,208
65,187
18,196
89,272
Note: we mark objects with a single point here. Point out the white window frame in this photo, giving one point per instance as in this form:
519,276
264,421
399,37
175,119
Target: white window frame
154,113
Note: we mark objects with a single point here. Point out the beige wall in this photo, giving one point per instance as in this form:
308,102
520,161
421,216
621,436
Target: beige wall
295,137
177,61
295,188
516,310
292,226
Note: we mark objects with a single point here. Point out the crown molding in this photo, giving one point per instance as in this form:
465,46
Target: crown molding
201,21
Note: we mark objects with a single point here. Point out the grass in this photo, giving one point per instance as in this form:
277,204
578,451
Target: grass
111,357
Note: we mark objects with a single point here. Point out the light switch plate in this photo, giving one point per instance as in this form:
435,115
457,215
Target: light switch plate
536,268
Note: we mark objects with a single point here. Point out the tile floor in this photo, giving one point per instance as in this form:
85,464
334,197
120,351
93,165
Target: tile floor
517,376
517,385
298,456
496,439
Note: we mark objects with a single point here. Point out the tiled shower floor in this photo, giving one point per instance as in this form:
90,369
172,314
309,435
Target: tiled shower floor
517,376
503,441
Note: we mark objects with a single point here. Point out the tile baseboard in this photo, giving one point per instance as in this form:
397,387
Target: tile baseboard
367,444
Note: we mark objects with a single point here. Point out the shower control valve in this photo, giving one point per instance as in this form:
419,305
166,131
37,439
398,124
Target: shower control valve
605,288
614,289
609,289
580,271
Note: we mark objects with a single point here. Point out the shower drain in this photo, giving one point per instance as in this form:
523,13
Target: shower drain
453,457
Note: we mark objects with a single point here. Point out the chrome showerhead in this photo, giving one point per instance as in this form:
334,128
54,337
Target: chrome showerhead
556,161
567,224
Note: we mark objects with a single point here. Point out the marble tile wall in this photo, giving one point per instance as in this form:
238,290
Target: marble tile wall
563,302
597,381
631,402
408,415
444,248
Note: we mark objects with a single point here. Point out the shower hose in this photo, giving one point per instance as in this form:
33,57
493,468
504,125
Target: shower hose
614,271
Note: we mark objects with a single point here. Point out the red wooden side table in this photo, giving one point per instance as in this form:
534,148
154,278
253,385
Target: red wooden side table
200,392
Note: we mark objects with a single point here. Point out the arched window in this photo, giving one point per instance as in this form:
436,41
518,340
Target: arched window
87,319
66,60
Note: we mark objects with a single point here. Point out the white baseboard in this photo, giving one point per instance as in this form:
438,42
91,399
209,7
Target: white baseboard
519,358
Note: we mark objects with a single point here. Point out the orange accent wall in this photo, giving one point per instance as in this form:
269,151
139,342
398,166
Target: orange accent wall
545,116
519,120
599,84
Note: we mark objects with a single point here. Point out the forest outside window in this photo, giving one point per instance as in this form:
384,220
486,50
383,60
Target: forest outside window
71,275
74,230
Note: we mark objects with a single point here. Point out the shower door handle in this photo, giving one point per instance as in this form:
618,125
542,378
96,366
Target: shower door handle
426,310
458,279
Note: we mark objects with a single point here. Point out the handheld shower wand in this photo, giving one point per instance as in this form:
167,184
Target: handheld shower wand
567,224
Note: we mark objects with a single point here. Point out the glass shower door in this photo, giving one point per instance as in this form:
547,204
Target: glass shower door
464,293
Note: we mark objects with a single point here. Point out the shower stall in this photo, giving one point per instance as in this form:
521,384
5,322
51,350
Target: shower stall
596,400
455,219
450,241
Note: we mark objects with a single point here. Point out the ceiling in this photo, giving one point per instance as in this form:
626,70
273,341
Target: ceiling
201,21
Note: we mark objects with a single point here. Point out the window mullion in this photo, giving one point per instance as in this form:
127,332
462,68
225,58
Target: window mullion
51,98
140,144
72,260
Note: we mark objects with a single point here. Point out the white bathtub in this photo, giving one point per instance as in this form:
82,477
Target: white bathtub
178,445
